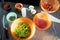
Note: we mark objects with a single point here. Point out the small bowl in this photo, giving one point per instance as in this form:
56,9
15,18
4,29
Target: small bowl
18,6
31,7
11,14
42,21
23,20
6,6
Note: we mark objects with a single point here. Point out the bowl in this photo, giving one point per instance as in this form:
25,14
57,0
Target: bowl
6,6
42,21
23,20
10,15
49,6
18,6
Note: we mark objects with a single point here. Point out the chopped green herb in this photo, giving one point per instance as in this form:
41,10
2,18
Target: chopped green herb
12,18
22,30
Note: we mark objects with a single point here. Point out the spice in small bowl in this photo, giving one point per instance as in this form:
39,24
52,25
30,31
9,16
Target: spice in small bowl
18,6
6,6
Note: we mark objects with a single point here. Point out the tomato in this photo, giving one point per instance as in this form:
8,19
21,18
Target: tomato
47,6
40,23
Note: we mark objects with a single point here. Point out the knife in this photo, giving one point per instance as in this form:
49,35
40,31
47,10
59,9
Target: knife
54,19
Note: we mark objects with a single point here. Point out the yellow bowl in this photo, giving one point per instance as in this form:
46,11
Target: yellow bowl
23,20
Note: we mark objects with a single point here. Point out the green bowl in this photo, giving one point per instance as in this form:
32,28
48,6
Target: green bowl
10,16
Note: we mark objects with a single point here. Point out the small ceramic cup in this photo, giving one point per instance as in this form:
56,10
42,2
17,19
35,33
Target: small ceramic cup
33,11
31,7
